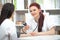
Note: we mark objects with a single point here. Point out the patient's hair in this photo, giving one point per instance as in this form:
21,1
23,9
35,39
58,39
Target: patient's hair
6,11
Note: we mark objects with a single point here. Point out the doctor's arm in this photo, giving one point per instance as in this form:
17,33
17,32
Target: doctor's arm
50,32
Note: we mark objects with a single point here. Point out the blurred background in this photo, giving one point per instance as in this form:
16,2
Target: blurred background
50,7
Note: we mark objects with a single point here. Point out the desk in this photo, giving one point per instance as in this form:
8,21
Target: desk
57,29
48,37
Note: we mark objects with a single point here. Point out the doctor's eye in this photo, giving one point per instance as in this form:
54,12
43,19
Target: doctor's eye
34,10
30,11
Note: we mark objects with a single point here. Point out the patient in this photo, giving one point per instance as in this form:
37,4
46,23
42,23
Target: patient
7,26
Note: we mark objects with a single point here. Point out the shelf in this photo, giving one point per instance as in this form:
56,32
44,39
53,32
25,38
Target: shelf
54,12
52,9
22,11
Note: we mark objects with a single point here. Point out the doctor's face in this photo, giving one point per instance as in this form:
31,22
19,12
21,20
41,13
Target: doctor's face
34,11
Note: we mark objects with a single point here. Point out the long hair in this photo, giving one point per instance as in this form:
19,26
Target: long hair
40,22
41,18
6,11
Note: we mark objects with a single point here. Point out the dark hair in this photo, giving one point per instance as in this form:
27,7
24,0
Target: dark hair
40,22
6,11
41,18
35,4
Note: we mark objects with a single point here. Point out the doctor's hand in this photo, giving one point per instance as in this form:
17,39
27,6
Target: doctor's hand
26,27
34,33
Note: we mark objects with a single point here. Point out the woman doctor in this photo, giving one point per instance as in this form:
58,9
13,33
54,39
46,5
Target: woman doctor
7,27
40,24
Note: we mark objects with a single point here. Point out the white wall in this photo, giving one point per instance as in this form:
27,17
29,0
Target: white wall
20,4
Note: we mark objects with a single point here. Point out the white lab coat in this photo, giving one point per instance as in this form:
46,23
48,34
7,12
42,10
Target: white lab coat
8,27
47,25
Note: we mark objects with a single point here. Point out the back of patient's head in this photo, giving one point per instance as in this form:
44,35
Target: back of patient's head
6,11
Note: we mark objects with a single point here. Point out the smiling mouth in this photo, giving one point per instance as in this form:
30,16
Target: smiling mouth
33,14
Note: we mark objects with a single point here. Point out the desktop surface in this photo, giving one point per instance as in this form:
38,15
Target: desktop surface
47,37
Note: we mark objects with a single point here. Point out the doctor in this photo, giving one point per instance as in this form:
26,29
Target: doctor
40,24
7,26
